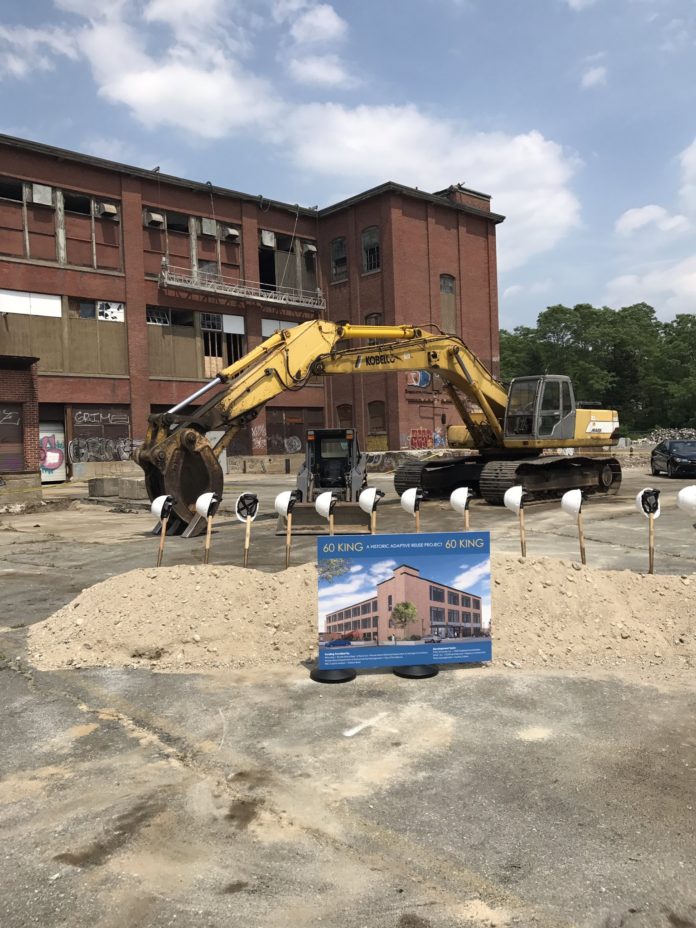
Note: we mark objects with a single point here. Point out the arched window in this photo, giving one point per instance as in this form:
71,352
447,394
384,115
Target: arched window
449,317
344,412
339,259
370,249
376,417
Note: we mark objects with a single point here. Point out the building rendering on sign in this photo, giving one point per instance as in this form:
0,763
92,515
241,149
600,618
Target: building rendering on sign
440,611
132,288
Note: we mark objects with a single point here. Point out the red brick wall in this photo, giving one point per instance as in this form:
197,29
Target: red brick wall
21,387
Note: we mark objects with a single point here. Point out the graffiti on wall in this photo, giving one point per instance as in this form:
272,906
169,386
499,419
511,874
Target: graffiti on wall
10,417
258,439
95,450
101,417
51,453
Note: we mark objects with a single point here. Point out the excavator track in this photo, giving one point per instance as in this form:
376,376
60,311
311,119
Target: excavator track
438,478
542,477
550,477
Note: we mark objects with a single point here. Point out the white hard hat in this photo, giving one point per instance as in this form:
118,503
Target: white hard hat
571,503
162,506
369,498
410,499
459,499
324,504
513,498
686,500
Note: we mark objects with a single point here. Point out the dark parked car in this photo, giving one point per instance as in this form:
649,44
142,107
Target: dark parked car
676,458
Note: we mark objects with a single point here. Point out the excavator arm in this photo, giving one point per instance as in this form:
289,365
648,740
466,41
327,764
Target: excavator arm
178,459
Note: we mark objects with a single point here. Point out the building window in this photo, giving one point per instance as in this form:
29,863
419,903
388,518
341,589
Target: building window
156,316
11,189
213,358
208,271
75,203
376,417
436,615
452,615
177,222
449,321
344,413
390,602
452,598
370,249
339,259
211,322
373,319
466,601
111,312
365,623
271,326
366,608
437,594
374,605
82,309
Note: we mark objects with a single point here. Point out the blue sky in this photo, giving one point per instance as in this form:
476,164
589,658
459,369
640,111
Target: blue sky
577,116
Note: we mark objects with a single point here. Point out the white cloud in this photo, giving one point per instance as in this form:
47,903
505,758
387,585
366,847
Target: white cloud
578,5
199,84
634,219
320,70
594,77
25,50
470,576
319,24
670,288
687,190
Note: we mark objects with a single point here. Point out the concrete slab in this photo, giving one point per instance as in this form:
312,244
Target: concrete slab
131,488
103,486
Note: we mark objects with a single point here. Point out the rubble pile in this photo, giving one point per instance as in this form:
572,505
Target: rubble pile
545,613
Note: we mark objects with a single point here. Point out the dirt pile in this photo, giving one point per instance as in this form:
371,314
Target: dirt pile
546,613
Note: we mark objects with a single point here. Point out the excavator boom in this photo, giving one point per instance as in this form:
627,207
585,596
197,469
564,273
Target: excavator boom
178,459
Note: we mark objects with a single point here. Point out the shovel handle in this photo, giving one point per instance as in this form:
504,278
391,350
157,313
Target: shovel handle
523,535
247,540
163,535
288,540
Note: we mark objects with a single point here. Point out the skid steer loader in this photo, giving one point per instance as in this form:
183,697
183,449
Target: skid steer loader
333,463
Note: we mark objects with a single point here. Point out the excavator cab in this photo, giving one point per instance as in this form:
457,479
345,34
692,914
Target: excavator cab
541,407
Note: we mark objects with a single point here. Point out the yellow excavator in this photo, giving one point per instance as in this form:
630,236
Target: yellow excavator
508,428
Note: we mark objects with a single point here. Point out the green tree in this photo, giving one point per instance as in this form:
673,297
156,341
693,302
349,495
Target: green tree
332,568
403,614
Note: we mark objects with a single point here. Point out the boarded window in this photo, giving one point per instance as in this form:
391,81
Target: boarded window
11,439
344,413
449,320
376,417
339,259
370,249
82,309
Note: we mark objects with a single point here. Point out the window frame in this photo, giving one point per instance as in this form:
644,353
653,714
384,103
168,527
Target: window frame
339,274
370,250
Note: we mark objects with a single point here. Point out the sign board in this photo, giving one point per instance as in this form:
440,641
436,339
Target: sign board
404,600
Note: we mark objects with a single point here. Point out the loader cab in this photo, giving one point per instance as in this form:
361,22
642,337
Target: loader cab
540,408
333,462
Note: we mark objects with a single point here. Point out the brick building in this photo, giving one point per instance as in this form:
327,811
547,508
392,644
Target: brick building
441,611
133,288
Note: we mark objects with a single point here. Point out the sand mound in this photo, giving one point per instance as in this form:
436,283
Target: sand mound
546,613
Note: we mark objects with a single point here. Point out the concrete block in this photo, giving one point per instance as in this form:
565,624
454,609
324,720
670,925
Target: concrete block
132,488
20,489
103,486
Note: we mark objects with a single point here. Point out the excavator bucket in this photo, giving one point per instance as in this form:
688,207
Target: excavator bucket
349,519
184,467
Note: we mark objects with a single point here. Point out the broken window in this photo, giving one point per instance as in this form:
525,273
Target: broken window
111,312
76,203
208,270
82,309
181,318
11,189
339,259
213,358
177,222
370,249
448,305
156,316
